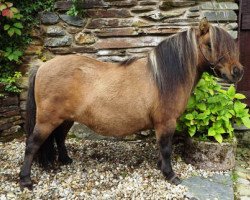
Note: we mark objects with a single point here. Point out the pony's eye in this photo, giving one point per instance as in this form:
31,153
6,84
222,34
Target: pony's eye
209,45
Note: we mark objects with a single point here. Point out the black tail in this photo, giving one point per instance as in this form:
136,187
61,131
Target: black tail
47,153
31,103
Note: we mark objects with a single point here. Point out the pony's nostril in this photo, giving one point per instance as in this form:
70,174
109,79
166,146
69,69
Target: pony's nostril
236,71
224,76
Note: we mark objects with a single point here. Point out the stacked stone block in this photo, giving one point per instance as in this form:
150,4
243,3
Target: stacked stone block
10,119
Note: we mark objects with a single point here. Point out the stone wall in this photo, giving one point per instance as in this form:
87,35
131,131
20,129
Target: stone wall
114,30
10,119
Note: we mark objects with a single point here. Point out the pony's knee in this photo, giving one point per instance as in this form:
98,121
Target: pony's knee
166,128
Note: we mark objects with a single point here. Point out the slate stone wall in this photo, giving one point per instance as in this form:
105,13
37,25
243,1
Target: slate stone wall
114,30
10,118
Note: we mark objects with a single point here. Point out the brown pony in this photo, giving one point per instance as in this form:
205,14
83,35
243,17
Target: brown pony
121,99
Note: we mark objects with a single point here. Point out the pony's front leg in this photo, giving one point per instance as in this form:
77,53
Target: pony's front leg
164,134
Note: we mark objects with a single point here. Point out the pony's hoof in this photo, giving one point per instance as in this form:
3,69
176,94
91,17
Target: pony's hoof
175,180
26,184
65,160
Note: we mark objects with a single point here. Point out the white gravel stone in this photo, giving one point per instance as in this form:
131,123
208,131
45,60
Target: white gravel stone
100,170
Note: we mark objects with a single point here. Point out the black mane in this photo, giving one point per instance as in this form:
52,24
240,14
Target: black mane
173,61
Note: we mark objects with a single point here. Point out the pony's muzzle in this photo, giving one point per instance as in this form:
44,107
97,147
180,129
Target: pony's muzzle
237,73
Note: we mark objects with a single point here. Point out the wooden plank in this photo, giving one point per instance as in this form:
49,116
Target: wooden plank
245,6
244,84
244,44
245,21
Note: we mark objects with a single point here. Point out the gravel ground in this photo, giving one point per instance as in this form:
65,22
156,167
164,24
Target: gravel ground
100,170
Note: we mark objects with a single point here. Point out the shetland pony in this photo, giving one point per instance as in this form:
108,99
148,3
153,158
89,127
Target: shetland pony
121,99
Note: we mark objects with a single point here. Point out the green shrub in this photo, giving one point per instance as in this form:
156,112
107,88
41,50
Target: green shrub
212,111
14,36
11,28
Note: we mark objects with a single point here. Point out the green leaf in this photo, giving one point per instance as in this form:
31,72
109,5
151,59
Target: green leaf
231,91
238,106
218,138
211,92
201,106
243,113
191,102
230,131
217,124
189,116
18,25
228,115
2,7
211,132
17,16
14,10
220,130
17,31
192,131
6,27
18,53
232,112
246,121
11,32
11,57
202,116
201,83
239,96
214,99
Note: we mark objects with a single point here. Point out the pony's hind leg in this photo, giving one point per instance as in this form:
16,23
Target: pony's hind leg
46,154
164,135
40,133
60,136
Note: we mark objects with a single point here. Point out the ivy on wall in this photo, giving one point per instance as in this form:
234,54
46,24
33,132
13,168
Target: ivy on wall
16,21
76,8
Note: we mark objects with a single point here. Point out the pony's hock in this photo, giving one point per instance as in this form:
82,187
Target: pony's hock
104,96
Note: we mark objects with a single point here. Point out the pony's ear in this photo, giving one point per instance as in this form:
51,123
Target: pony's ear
204,26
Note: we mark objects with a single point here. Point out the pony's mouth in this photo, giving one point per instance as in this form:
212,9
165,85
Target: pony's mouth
230,81
224,76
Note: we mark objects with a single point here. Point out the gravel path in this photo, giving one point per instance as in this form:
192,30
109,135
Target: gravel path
100,170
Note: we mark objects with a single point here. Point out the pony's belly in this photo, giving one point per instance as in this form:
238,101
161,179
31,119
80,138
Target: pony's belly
115,125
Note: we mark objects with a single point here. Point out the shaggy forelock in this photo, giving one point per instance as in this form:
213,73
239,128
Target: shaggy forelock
222,43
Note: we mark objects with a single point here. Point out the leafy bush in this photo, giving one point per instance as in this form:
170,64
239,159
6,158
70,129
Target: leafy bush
212,111
11,29
14,36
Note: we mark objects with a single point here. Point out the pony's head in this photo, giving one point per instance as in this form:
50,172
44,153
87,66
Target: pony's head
220,51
